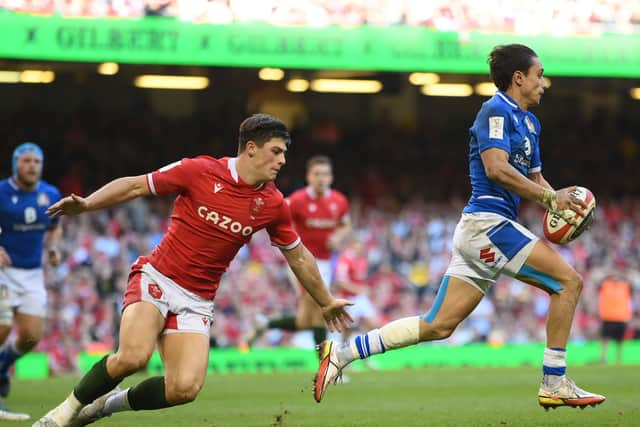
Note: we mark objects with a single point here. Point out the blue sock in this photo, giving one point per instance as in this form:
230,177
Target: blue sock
8,356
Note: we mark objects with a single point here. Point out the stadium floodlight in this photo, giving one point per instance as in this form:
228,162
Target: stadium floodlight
108,68
160,81
297,85
346,86
635,92
447,89
271,74
9,76
485,89
37,76
420,79
27,76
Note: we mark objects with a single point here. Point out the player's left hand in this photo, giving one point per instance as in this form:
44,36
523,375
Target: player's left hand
70,205
54,256
336,315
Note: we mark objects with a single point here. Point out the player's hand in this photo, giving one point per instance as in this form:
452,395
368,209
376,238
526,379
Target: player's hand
70,205
54,256
5,259
336,315
567,200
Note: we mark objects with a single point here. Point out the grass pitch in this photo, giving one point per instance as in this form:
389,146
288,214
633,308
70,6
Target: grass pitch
420,397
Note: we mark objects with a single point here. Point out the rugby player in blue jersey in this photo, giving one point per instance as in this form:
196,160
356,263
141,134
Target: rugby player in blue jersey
505,166
26,232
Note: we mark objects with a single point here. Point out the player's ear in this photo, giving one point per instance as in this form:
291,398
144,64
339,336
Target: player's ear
251,148
518,77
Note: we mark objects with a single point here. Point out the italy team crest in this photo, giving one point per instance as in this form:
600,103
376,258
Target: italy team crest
43,199
529,124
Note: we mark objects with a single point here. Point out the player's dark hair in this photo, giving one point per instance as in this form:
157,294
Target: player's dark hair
260,128
318,160
507,59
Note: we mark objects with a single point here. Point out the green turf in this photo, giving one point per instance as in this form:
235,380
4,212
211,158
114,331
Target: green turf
424,397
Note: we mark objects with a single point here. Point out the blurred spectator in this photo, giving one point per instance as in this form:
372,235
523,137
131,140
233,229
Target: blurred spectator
615,310
558,17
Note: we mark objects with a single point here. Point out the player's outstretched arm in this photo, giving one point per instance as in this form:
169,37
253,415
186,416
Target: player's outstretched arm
304,266
117,191
498,169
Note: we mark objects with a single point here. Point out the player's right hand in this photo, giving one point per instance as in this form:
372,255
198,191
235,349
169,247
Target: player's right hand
5,259
70,205
336,315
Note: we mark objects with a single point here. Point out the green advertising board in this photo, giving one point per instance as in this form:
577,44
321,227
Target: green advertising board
170,41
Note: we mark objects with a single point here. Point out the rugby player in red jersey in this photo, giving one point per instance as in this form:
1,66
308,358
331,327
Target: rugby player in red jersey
220,203
321,217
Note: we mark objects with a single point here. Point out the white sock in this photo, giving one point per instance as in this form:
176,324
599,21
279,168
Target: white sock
554,365
117,403
64,413
397,334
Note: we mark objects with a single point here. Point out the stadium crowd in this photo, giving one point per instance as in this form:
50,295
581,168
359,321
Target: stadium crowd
558,17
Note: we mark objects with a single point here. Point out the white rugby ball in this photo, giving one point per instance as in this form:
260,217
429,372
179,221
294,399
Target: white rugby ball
558,230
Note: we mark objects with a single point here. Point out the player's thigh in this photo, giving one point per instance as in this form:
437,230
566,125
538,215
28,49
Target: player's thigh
140,326
308,313
28,326
455,300
186,357
545,268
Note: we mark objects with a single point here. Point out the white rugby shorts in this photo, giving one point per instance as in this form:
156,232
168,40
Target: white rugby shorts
486,245
183,311
22,290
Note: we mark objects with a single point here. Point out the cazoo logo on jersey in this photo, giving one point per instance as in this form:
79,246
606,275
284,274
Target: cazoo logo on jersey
224,221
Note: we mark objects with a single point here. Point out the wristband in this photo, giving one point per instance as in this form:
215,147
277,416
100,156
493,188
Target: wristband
549,199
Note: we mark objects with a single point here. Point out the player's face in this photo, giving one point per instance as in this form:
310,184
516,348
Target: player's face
29,168
532,84
268,159
319,178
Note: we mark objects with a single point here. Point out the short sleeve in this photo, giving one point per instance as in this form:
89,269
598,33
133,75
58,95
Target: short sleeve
281,229
55,197
172,178
492,129
536,162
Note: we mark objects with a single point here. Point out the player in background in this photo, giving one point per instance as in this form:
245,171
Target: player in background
220,203
27,232
351,282
321,217
504,163
615,309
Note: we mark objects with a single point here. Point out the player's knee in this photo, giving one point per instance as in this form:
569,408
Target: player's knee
130,361
183,391
574,283
27,341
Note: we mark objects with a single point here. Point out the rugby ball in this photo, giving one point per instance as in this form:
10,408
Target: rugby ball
558,230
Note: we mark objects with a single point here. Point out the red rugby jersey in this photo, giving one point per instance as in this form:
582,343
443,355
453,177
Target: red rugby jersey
315,218
214,214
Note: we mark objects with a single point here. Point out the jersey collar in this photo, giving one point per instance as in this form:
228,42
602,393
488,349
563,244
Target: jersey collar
233,170
15,186
508,100
314,195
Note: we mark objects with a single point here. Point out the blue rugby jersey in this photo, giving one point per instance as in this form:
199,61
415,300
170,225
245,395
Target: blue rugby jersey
24,222
501,123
